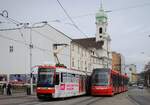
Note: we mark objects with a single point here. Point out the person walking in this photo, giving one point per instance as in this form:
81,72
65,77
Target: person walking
9,89
4,88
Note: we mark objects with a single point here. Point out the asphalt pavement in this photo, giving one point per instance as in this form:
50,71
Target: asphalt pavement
134,96
140,96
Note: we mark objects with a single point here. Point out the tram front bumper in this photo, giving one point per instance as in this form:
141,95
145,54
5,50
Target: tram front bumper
102,91
45,90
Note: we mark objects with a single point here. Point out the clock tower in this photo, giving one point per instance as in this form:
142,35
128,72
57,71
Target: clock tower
103,37
101,25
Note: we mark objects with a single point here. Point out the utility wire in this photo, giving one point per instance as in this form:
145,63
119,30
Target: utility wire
71,19
4,14
39,33
18,41
24,43
131,7
44,36
50,27
110,11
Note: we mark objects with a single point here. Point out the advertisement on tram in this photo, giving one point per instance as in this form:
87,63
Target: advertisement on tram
59,82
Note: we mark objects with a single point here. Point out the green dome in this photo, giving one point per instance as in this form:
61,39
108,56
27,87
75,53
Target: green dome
101,16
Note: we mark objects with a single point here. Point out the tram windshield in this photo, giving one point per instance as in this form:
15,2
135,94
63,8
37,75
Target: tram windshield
45,77
100,77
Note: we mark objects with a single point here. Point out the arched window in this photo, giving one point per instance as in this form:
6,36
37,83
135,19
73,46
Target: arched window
100,30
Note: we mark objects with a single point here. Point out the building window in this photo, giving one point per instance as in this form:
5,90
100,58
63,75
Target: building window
82,52
85,62
100,30
81,65
11,48
78,64
72,47
85,53
72,62
78,49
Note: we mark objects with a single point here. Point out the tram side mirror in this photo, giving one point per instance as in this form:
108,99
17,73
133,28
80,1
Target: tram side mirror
57,79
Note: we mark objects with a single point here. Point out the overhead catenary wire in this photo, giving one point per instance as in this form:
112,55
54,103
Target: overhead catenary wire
39,33
44,36
18,41
27,44
69,17
4,14
110,11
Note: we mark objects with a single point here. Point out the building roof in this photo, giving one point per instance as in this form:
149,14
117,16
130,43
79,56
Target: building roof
89,42
101,15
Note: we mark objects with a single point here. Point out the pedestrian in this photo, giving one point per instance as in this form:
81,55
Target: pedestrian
4,88
9,89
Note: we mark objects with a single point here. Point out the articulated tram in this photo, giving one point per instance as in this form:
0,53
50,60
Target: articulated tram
59,82
108,82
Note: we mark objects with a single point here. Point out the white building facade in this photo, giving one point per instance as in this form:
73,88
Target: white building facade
81,54
15,50
95,52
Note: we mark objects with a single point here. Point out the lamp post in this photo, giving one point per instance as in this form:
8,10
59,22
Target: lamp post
31,47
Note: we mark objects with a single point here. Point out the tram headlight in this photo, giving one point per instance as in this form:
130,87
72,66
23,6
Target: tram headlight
49,88
38,88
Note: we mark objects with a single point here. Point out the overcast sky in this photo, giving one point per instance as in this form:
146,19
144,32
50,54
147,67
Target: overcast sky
128,21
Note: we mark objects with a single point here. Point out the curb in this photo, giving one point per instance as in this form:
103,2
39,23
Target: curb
15,96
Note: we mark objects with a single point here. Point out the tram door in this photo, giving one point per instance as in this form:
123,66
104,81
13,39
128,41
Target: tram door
81,84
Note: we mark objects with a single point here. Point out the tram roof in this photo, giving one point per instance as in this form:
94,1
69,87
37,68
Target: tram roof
71,71
63,69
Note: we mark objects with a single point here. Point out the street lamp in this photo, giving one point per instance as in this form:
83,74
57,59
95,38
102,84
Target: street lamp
31,46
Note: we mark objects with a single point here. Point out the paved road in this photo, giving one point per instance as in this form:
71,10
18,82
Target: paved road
119,99
140,96
32,100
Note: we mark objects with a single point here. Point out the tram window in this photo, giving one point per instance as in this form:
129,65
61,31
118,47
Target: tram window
77,78
63,77
69,77
123,81
113,79
117,80
73,78
57,79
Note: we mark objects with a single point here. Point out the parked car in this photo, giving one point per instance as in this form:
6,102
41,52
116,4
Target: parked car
134,85
140,86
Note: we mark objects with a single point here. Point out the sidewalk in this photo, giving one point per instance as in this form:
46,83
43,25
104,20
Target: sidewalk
16,95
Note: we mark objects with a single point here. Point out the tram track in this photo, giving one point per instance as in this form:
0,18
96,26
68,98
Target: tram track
85,100
94,101
76,103
88,101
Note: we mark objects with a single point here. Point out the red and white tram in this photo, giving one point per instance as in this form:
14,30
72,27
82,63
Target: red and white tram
108,82
59,82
